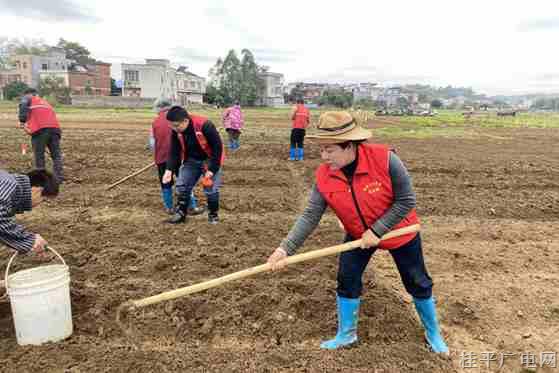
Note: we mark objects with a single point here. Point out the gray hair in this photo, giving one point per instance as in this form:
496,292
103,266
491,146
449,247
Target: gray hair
162,104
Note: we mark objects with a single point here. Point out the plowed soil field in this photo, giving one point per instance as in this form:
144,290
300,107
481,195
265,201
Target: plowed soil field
489,206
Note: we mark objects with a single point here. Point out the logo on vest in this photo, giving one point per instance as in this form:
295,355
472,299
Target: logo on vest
373,187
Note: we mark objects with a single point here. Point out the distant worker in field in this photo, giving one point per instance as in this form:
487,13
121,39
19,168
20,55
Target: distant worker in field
18,194
196,143
233,122
301,118
160,143
369,189
38,119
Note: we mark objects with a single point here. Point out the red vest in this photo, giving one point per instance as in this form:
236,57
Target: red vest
301,118
373,193
41,115
198,122
162,134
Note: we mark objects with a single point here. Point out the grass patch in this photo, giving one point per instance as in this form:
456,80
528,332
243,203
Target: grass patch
420,132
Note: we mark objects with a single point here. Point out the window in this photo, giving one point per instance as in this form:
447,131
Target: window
45,66
25,65
131,75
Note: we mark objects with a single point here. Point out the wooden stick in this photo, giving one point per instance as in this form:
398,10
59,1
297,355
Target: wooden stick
131,176
172,294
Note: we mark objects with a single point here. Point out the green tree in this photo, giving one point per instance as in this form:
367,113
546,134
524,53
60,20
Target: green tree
436,104
235,80
296,93
115,91
338,98
403,102
251,83
75,51
231,76
14,90
211,95
54,90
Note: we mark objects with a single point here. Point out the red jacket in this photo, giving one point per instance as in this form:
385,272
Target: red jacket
301,117
41,115
161,129
372,192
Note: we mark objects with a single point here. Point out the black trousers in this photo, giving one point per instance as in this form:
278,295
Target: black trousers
233,134
297,137
48,138
408,259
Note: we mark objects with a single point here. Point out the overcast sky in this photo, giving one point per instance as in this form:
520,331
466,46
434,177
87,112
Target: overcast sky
493,46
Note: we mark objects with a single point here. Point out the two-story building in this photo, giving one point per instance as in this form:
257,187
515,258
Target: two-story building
272,92
190,87
29,67
154,79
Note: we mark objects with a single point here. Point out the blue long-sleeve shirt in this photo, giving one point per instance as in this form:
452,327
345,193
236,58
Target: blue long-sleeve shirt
15,198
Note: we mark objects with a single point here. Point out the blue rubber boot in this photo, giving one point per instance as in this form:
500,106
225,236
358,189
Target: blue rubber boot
428,315
301,154
348,315
167,196
292,154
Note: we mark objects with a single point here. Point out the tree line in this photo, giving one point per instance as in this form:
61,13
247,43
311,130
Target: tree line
235,80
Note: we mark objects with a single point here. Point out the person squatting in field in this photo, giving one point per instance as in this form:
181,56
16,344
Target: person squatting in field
369,189
160,144
18,194
196,143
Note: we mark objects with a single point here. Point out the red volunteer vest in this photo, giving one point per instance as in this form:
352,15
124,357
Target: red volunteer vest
373,193
301,117
198,122
41,115
162,134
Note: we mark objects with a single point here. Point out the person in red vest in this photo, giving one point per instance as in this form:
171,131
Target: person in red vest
301,118
38,119
369,189
197,144
160,143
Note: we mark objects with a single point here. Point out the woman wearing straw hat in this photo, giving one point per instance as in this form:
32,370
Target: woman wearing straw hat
370,191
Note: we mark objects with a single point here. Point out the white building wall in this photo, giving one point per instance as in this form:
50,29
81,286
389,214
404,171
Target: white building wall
154,80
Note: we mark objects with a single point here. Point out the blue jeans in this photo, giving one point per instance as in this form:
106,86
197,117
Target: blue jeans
189,174
408,259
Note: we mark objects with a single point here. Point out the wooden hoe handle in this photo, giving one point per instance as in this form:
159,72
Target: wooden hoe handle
172,294
131,176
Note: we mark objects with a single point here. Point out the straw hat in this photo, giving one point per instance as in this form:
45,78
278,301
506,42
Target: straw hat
338,126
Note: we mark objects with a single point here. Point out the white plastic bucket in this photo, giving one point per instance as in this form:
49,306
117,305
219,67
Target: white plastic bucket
40,299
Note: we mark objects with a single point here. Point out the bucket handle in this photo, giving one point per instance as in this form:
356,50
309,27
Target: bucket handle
14,256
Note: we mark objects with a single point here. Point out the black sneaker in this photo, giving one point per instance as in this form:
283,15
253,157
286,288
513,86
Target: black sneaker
177,218
213,219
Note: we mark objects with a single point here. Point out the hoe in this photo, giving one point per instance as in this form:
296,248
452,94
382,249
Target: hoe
131,305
